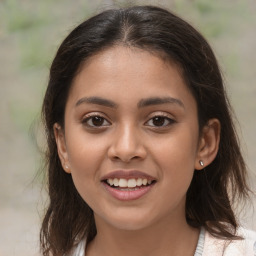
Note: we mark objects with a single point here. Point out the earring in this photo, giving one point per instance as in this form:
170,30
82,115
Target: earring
66,167
201,162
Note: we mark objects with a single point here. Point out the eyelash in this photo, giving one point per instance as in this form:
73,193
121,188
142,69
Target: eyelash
89,118
167,121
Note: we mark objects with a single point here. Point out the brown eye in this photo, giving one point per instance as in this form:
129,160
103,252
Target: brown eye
160,121
96,121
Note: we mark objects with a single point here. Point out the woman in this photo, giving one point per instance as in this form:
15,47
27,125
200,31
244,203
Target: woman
143,157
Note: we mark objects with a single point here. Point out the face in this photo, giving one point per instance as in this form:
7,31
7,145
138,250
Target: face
131,138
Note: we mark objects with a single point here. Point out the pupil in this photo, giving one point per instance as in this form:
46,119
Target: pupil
158,121
97,121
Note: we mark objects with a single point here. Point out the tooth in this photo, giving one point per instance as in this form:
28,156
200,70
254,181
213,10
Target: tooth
110,182
116,182
132,183
139,182
149,182
144,181
122,183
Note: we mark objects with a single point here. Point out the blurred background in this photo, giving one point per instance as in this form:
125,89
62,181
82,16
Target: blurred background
30,32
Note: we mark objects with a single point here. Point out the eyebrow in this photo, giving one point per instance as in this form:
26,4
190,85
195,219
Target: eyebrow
158,101
97,101
142,103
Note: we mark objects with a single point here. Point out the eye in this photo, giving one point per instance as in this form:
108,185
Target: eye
160,121
95,121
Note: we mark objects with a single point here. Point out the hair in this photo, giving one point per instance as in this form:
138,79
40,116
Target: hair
210,197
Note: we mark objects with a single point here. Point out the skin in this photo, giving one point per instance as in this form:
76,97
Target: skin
129,137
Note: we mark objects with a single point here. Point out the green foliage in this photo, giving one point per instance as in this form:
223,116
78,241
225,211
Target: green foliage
35,51
205,7
23,15
22,114
231,61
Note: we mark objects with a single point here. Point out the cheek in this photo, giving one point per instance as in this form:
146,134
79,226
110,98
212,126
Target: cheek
176,158
85,164
85,155
85,151
177,149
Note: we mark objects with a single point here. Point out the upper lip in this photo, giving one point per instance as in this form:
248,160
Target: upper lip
127,174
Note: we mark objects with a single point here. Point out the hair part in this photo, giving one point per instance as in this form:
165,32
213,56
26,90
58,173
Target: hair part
212,192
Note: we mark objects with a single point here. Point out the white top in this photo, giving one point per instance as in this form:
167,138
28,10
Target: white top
210,246
217,247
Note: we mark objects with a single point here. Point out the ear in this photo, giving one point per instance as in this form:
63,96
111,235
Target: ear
208,145
61,146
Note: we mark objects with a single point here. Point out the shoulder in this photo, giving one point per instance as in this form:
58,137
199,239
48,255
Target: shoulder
215,247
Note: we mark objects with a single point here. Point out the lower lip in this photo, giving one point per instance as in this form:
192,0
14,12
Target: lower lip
128,195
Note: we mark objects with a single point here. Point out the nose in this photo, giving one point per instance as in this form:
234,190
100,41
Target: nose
127,145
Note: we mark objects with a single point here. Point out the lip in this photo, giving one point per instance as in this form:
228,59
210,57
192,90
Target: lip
127,174
128,194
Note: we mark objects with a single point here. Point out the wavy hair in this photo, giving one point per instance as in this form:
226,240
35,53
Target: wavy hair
212,192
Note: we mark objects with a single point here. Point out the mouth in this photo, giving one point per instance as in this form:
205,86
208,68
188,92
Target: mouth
128,185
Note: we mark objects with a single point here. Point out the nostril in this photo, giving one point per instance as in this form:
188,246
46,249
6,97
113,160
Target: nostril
126,150
125,159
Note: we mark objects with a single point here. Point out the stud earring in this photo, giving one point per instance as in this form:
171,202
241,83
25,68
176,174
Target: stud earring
201,162
66,167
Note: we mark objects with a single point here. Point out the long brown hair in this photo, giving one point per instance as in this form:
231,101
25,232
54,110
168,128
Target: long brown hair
210,196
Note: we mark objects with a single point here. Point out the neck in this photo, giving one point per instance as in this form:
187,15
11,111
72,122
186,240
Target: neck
175,237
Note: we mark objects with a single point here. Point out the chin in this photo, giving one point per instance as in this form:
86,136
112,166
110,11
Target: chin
130,225
129,222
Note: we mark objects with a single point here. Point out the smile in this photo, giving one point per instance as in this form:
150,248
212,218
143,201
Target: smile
130,183
127,186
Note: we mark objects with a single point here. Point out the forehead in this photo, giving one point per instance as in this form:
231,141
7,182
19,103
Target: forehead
123,60
124,72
